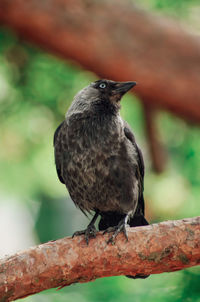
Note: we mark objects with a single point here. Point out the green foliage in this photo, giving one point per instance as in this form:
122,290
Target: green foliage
178,8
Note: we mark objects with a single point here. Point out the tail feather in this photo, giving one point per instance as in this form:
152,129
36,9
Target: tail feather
138,221
110,219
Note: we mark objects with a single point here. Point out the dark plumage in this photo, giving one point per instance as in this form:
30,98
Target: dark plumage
99,161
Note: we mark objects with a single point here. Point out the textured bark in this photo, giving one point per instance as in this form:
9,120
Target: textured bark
164,247
117,40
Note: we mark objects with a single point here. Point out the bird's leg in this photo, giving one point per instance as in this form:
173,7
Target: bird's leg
121,227
90,232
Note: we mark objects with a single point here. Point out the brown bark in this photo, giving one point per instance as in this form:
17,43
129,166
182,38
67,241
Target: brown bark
156,148
164,247
117,40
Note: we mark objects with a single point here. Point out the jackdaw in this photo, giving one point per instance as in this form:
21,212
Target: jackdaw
99,161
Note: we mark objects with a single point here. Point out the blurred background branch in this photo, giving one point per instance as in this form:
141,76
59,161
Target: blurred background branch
66,261
156,148
130,43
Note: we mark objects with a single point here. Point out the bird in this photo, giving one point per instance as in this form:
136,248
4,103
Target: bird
98,160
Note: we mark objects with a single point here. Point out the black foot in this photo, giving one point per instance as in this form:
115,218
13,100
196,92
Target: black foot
90,232
121,227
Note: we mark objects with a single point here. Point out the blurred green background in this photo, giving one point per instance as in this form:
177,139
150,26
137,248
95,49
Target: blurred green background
36,89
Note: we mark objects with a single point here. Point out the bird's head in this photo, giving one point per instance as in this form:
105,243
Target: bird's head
110,90
101,95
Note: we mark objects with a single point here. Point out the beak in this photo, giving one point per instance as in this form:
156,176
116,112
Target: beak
123,87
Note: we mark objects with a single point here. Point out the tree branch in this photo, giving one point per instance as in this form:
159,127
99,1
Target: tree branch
157,52
164,247
157,151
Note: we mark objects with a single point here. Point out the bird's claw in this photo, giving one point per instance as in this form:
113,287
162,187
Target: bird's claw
121,227
90,232
110,230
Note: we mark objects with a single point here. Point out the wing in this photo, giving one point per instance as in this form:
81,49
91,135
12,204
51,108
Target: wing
57,143
110,219
129,134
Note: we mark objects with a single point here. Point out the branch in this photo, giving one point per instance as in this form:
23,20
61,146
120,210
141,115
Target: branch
157,52
164,247
156,148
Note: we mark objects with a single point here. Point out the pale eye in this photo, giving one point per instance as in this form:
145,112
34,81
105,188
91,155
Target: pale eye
102,85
